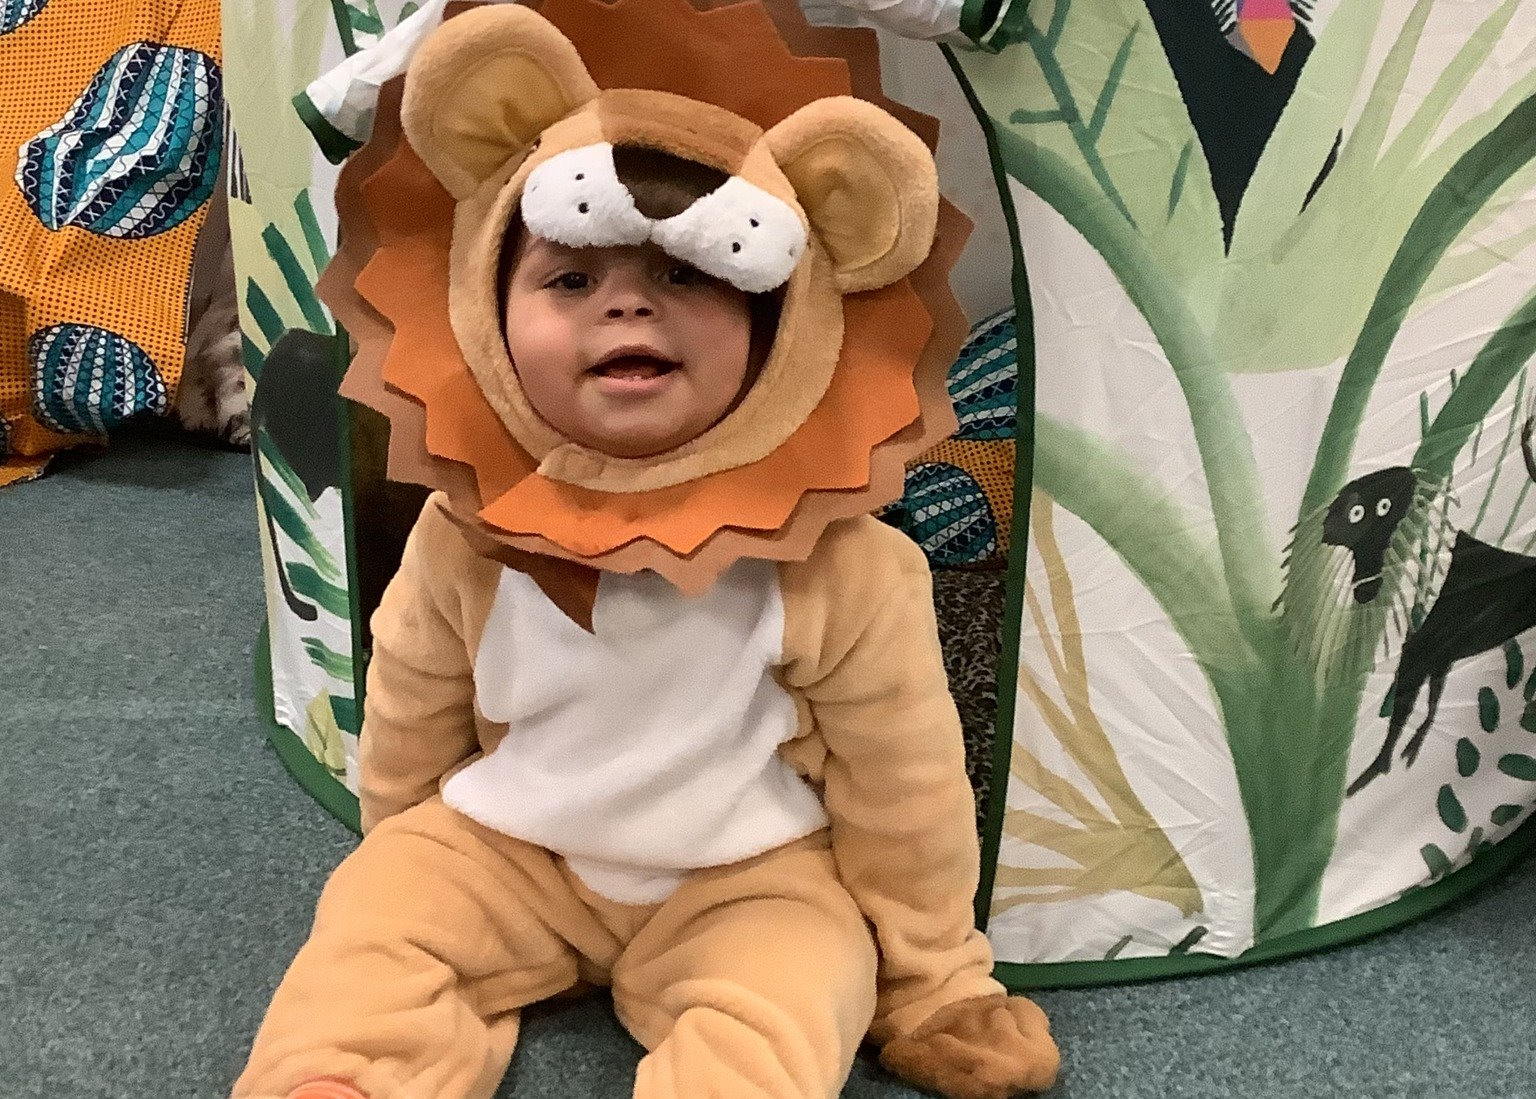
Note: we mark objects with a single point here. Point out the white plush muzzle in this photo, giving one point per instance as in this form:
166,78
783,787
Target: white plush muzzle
737,233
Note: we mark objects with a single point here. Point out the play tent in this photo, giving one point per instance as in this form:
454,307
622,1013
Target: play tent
1269,641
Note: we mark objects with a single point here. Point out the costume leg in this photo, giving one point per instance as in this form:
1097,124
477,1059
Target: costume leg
427,940
755,981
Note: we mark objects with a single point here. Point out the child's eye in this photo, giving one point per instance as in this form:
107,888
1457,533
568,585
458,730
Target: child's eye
568,280
681,274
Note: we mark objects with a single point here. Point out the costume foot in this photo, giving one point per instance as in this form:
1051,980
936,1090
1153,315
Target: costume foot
328,1088
991,1047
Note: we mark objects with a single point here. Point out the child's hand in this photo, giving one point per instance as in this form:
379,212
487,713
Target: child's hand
992,1047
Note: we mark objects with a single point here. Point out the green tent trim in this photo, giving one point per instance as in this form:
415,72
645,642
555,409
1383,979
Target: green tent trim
309,772
1485,868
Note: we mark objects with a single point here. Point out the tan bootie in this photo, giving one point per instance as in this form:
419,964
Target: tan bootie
992,1047
328,1088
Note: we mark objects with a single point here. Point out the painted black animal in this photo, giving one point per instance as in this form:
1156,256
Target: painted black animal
1488,597
1363,518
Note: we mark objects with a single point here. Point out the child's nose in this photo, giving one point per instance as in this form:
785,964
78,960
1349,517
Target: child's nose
629,296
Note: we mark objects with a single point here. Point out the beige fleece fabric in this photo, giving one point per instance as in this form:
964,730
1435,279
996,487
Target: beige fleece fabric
434,933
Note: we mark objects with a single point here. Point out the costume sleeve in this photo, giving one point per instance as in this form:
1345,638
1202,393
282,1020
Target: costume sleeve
862,645
923,20
338,105
419,718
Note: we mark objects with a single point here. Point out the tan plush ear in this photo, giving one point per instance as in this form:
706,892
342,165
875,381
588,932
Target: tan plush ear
483,86
867,183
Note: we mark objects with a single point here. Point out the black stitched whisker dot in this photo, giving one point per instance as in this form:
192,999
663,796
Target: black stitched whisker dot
582,208
753,221
736,247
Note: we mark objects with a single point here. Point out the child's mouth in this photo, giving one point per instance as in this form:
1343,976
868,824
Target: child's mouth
634,370
634,366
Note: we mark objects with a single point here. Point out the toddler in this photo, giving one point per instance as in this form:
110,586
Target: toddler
745,811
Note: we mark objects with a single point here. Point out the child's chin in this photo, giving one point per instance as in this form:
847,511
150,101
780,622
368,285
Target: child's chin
636,444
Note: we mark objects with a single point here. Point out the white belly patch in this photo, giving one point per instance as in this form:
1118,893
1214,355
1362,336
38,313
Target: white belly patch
648,747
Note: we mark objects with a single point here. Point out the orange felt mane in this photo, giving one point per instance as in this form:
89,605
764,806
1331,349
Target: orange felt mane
389,286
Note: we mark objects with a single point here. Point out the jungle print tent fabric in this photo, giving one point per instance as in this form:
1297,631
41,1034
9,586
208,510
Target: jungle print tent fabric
1276,624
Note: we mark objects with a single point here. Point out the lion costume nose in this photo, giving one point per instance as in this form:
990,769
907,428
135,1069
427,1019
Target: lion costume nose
737,233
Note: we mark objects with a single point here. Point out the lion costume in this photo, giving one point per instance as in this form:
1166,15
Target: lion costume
678,725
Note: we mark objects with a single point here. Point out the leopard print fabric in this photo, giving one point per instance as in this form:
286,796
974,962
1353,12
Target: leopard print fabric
970,612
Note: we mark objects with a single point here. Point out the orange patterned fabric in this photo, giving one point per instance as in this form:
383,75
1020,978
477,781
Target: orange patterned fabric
991,463
98,236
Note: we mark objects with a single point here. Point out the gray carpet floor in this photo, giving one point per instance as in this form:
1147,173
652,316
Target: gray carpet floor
158,867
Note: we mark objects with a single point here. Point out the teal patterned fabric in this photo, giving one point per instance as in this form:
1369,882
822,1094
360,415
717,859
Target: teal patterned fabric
138,152
945,511
15,13
86,379
944,508
984,380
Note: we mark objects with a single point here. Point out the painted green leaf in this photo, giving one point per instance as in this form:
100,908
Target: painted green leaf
1488,709
263,312
1111,86
345,712
1467,758
1503,814
1435,859
1528,718
1514,663
1517,765
365,20
287,516
1486,381
252,356
333,663
1184,945
314,236
1477,842
1482,512
1037,118
1452,815
1176,188
286,513
1083,100
1530,688
275,463
296,279
314,587
340,13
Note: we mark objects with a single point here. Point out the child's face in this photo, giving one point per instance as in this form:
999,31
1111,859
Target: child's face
625,350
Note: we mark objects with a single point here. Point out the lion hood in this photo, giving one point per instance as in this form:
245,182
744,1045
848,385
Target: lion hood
831,202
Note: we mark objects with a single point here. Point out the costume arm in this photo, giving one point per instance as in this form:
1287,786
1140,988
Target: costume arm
418,720
903,815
